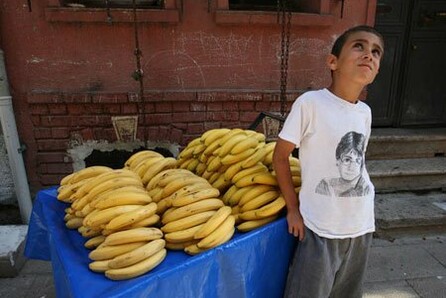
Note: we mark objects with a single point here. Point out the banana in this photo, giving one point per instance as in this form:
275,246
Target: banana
259,167
258,135
138,268
229,135
67,179
137,255
248,143
254,192
87,232
187,222
193,249
140,156
294,161
74,223
198,149
265,178
182,235
133,235
185,163
214,177
191,209
181,182
253,224
296,181
94,242
132,216
201,167
221,184
213,222
233,169
246,180
68,216
104,216
158,166
214,163
260,201
211,148
256,157
203,194
190,189
220,233
195,142
163,205
193,165
146,222
143,166
103,252
240,194
173,175
188,151
227,146
65,193
212,135
229,193
230,159
179,245
124,198
99,266
268,160
89,172
117,192
272,208
156,194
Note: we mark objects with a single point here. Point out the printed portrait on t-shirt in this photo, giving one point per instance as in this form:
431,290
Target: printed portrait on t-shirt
350,163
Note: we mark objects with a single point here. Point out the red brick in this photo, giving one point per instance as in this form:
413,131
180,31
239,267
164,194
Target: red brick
180,107
36,121
129,109
60,133
87,134
53,121
52,157
197,107
176,135
41,109
77,98
231,106
163,107
112,109
52,145
50,180
211,125
151,132
222,116
58,168
182,125
104,134
157,119
190,117
149,108
246,106
76,109
215,106
43,97
263,106
248,116
109,98
42,133
57,109
163,133
195,128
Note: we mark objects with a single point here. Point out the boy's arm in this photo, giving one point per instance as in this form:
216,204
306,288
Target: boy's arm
281,165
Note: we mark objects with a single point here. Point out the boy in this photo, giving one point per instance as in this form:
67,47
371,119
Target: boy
333,217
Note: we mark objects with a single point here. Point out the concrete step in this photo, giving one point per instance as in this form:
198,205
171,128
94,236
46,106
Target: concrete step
396,143
12,245
410,212
408,174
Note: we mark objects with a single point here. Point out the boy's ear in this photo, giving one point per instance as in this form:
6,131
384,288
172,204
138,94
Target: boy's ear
332,62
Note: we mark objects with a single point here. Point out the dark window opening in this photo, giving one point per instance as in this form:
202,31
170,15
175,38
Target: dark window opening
115,159
261,5
113,3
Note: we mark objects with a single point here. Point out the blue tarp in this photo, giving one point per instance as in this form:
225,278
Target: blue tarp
253,264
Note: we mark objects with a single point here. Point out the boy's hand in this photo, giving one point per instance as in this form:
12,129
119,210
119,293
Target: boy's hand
296,224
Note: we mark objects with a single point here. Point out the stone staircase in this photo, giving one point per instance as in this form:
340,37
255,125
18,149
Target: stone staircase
408,169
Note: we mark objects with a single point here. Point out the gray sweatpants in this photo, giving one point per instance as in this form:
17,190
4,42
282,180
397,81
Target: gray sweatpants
323,267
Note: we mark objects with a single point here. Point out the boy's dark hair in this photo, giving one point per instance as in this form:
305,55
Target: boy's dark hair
351,141
340,41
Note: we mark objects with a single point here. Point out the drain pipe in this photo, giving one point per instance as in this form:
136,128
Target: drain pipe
13,146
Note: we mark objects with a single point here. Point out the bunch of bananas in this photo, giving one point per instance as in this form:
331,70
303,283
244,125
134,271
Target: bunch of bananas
130,253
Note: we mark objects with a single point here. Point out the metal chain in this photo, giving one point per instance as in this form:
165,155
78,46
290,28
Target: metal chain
284,16
109,17
138,73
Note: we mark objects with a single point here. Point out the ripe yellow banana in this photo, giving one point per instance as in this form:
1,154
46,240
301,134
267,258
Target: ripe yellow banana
226,147
190,189
156,194
229,135
132,216
214,162
294,161
191,209
124,198
67,179
181,182
229,193
198,149
179,245
150,221
248,143
163,205
240,194
265,178
74,223
259,167
135,256
254,192
138,268
272,208
187,222
213,222
89,172
94,242
182,235
133,235
254,224
260,201
256,157
158,166
140,156
173,175
268,160
205,193
103,252
143,166
101,217
233,169
212,135
221,183
87,232
230,159
99,266
220,233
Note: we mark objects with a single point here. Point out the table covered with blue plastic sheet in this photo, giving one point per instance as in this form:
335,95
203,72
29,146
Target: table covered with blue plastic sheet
253,264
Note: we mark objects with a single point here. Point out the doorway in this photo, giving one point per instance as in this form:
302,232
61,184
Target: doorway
410,90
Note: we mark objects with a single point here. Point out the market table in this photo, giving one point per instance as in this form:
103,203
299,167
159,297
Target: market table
252,264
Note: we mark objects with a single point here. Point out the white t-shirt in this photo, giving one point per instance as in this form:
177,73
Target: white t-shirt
336,197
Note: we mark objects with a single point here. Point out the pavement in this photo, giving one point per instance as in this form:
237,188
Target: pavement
400,267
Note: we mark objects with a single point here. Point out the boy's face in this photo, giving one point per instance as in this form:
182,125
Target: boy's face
359,59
